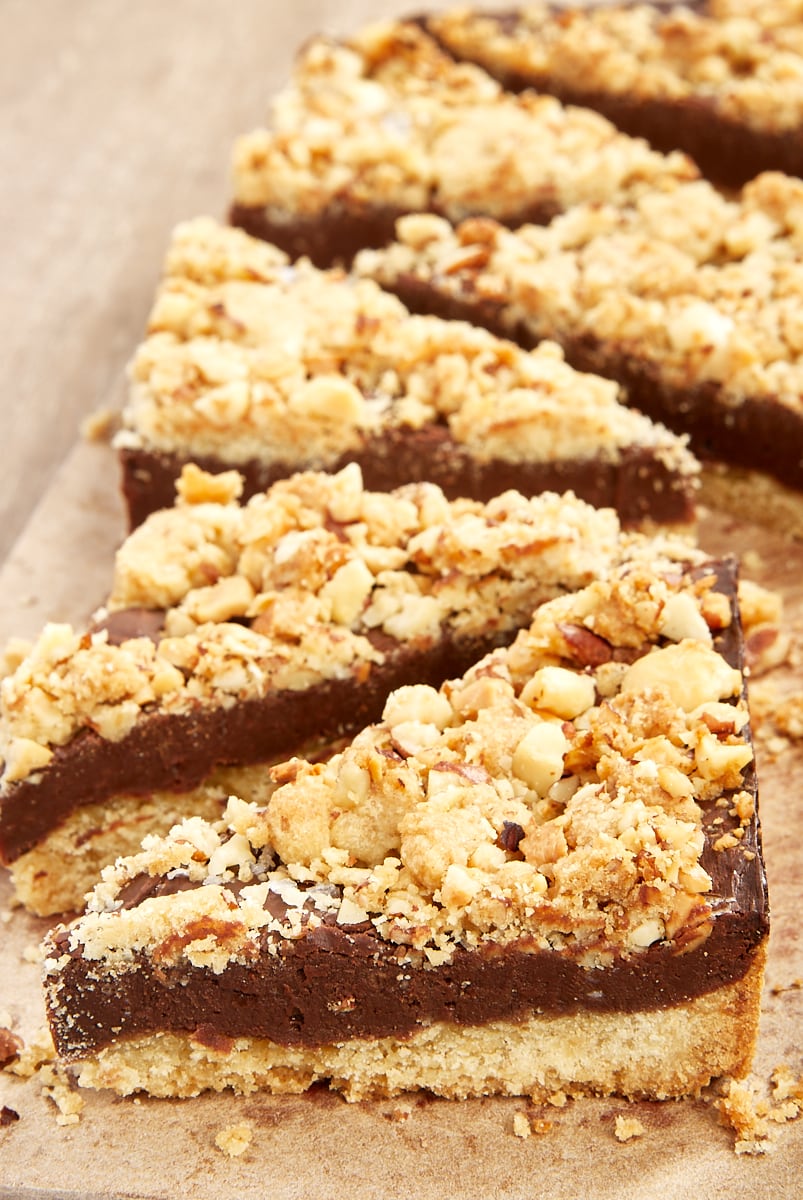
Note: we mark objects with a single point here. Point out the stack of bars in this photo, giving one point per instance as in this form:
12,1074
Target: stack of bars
411,746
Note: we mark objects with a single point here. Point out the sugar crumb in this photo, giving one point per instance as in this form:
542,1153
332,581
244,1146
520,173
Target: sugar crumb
521,1125
627,1128
234,1140
100,425
756,1118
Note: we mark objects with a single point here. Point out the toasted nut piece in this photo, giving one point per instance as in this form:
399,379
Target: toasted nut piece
567,694
229,597
199,487
538,758
348,589
23,756
418,702
330,398
721,760
681,618
647,933
692,674
460,886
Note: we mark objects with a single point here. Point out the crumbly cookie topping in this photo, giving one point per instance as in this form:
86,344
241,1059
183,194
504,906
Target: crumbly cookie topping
282,592
554,791
388,119
299,366
705,288
745,59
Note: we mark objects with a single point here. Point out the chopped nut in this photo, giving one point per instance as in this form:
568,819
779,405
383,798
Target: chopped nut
538,758
565,693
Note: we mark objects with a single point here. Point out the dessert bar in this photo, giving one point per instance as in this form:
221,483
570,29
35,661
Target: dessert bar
270,368
234,634
388,123
690,300
542,879
718,80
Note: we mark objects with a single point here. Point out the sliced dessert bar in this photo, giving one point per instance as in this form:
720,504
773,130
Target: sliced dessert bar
388,124
691,301
544,877
235,633
719,80
271,368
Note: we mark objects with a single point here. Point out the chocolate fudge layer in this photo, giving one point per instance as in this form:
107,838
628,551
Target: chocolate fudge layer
388,124
560,847
689,300
720,81
271,368
235,633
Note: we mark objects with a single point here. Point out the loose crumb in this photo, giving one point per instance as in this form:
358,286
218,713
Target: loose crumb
521,1125
10,1045
8,1116
59,1087
755,1118
101,425
234,1140
401,1112
627,1128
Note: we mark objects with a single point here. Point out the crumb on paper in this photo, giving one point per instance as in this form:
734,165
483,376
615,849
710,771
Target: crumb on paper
794,985
756,1118
33,953
521,1125
234,1140
31,1057
100,425
10,1044
627,1128
526,1124
8,1116
58,1087
401,1112
558,1099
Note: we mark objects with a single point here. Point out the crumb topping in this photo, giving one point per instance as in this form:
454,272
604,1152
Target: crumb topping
703,288
298,366
745,60
287,589
554,792
389,119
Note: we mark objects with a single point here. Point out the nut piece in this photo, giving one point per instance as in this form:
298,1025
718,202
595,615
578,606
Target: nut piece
567,694
681,618
538,758
418,702
692,674
348,589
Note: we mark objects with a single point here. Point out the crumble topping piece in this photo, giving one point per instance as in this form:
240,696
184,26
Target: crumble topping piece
703,289
299,366
388,119
746,60
478,812
288,589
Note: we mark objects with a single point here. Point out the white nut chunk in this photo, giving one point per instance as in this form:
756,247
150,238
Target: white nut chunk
418,702
681,618
347,590
538,758
565,693
691,673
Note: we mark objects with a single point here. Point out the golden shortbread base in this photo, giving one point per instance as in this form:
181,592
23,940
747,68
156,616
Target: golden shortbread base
658,1054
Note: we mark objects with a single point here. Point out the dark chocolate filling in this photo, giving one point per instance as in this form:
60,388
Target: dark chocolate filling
639,486
757,434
